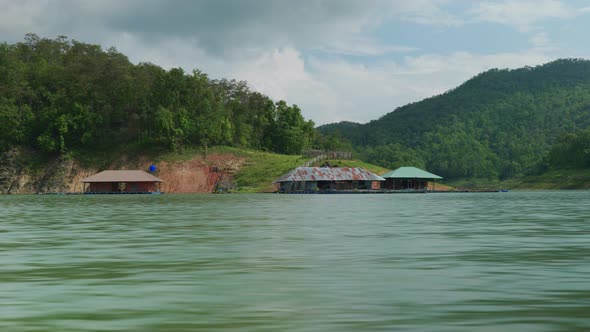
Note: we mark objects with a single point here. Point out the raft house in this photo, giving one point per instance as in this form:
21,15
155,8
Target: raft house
122,182
409,178
309,180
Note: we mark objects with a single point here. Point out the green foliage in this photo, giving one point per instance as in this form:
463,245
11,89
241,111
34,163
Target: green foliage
332,141
392,156
292,133
500,124
14,123
572,150
64,96
555,179
262,168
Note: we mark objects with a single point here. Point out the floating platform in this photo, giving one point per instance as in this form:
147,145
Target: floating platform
107,193
367,191
125,193
385,191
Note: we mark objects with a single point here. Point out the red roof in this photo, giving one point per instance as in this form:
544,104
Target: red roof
122,176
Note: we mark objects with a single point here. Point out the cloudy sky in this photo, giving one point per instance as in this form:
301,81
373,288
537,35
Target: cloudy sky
352,60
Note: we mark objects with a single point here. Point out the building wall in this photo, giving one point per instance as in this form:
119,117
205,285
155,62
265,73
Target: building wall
101,187
311,186
402,184
141,187
107,187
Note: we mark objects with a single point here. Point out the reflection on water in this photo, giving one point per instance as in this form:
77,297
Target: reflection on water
429,262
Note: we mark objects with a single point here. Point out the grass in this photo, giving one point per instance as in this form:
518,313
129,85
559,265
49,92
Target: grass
262,168
556,179
258,172
551,180
480,184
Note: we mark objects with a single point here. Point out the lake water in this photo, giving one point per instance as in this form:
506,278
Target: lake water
516,261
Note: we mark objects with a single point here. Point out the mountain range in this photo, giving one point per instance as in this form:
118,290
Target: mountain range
499,124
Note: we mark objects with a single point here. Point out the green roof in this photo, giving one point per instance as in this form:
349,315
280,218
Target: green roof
410,173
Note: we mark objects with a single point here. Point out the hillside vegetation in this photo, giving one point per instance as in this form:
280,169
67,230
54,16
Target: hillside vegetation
69,109
61,96
77,105
500,124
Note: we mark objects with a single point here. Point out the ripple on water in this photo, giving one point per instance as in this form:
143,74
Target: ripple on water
452,262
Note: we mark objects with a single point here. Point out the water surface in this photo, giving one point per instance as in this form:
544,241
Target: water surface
416,262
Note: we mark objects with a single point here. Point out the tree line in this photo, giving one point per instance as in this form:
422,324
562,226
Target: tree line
571,151
60,95
499,124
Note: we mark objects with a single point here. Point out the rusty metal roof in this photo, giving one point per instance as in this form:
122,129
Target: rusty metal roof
122,176
328,174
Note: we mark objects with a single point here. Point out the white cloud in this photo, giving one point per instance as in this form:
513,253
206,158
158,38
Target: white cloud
360,46
266,42
522,15
329,90
278,73
434,16
368,92
19,16
540,41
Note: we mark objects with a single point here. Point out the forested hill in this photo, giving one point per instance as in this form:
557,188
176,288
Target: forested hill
499,124
59,96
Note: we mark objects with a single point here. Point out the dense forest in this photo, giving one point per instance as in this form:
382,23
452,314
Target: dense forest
60,96
499,124
571,151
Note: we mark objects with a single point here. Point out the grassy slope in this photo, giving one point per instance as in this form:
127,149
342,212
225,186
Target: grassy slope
556,179
256,175
480,184
262,168
259,170
551,180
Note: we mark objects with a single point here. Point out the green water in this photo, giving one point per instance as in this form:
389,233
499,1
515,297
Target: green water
421,262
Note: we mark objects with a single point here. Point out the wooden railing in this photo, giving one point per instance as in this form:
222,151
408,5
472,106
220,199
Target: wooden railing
329,154
320,155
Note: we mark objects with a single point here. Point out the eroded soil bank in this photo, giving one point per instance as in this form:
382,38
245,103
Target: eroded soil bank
18,175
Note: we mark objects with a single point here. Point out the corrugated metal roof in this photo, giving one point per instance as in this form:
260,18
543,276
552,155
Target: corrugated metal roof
329,174
410,173
122,176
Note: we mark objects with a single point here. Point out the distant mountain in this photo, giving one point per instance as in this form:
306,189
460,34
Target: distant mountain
499,124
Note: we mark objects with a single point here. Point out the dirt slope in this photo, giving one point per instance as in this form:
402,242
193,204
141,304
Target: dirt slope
60,175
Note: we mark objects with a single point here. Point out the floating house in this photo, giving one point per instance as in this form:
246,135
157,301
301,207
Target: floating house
328,179
122,182
409,178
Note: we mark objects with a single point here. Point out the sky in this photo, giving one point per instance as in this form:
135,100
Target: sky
338,60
